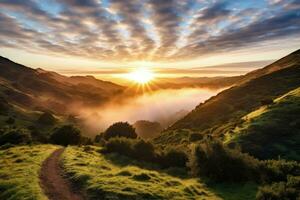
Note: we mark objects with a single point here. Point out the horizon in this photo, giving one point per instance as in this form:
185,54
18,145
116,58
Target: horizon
109,38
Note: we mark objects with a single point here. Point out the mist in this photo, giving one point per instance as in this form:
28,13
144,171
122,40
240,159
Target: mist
164,106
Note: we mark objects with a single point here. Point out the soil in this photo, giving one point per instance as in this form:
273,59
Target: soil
55,186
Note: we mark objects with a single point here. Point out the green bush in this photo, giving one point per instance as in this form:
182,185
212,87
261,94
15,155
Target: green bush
173,158
15,136
143,150
195,137
120,129
217,162
121,146
66,135
99,138
289,190
278,170
10,121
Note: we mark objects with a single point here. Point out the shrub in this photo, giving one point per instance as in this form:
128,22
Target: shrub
37,135
174,158
86,141
195,137
10,121
215,161
66,135
120,129
15,136
121,146
99,138
278,170
289,190
143,150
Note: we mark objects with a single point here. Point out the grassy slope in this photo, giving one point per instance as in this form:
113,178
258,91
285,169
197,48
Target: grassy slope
220,113
272,130
19,171
112,178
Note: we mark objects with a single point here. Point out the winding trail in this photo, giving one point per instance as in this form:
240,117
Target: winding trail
52,181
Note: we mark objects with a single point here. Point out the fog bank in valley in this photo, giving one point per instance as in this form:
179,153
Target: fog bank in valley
164,106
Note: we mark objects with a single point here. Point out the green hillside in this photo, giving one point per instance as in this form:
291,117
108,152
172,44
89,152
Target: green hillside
272,130
223,111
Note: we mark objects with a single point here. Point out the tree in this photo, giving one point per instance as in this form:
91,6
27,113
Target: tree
120,129
66,135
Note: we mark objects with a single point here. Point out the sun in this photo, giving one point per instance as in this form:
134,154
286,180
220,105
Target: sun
141,75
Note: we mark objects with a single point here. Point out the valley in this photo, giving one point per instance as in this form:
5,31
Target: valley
235,142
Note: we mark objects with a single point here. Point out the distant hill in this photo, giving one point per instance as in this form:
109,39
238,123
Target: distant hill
272,130
28,94
221,112
200,82
147,129
39,89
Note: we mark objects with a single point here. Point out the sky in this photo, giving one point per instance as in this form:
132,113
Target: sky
104,36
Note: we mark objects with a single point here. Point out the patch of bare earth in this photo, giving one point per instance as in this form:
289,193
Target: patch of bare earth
55,186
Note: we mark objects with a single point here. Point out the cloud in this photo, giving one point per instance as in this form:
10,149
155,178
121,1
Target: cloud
121,30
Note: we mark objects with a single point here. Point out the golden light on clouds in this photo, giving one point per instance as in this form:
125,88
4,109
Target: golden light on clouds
141,75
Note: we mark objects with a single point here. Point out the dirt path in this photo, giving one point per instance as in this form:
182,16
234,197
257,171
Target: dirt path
52,182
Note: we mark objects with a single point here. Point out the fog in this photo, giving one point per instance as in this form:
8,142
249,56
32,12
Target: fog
164,106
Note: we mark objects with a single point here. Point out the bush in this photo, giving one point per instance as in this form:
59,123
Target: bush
99,138
15,136
121,146
10,121
195,137
66,135
174,158
143,150
278,170
120,129
215,161
289,190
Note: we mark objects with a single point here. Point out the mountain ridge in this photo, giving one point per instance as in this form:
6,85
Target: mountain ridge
219,113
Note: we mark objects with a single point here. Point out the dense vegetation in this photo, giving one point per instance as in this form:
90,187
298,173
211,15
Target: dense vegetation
120,129
19,171
141,150
66,135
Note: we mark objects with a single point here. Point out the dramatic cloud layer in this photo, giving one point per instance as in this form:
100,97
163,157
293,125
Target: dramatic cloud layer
160,30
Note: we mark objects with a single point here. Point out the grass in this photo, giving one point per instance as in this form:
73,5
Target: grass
246,191
19,171
103,178
272,130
